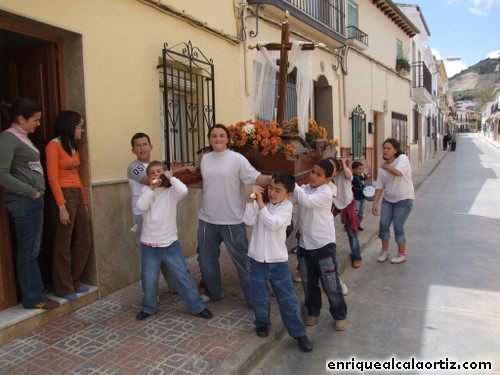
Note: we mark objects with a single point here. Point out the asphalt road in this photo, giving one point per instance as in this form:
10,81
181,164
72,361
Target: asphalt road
439,309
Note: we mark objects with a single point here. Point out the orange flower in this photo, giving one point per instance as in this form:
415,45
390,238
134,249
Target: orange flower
265,137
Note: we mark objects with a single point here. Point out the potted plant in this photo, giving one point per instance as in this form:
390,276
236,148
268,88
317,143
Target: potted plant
402,65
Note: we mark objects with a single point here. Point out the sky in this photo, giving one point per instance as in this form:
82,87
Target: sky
469,29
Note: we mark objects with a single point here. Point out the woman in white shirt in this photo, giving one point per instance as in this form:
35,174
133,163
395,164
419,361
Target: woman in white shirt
394,179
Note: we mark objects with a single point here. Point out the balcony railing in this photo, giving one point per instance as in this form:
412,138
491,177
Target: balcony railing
353,33
421,76
325,13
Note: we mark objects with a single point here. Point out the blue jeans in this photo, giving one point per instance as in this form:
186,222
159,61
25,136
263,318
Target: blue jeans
353,241
27,223
359,207
321,265
210,236
395,213
279,276
172,257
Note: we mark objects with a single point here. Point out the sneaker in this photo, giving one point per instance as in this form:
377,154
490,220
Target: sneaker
400,258
70,297
48,304
341,325
345,291
311,320
296,277
82,289
383,256
356,264
206,298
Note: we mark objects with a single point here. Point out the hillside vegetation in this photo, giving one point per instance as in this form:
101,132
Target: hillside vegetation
475,83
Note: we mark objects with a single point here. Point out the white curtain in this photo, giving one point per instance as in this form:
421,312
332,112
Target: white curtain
265,82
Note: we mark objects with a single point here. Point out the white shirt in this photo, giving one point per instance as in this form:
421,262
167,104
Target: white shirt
344,193
159,227
396,188
224,177
315,217
268,242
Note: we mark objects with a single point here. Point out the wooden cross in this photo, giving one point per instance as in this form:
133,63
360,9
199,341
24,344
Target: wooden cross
284,46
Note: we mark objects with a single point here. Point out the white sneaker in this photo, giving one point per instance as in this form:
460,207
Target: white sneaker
206,298
383,256
345,291
398,259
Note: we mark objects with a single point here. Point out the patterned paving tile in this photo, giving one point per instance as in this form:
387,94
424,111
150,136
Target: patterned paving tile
99,310
124,320
58,329
49,361
170,330
129,295
133,355
19,350
92,341
180,362
213,342
236,320
91,368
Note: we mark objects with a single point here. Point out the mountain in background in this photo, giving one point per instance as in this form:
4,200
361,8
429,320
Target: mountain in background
475,83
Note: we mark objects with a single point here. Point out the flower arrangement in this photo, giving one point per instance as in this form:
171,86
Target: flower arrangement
332,142
264,137
314,132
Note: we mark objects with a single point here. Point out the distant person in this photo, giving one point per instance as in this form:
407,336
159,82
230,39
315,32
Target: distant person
269,259
160,243
225,174
394,180
21,174
446,140
454,139
358,184
71,248
137,179
317,248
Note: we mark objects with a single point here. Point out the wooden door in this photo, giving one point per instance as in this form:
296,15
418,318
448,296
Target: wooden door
31,72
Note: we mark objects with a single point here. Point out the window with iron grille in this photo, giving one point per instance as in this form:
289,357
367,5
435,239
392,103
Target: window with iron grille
358,121
187,95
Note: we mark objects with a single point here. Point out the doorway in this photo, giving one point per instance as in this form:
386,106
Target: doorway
32,65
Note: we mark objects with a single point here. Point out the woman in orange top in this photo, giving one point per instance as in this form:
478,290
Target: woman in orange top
72,229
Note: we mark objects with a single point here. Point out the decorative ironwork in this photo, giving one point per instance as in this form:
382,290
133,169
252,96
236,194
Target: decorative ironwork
358,119
188,101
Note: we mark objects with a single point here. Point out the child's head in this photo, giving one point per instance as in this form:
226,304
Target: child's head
357,168
281,187
141,147
156,168
321,173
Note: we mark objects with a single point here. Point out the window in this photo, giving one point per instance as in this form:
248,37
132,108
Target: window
399,127
358,120
187,96
352,19
399,49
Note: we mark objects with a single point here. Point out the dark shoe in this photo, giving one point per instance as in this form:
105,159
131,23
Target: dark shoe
361,228
201,284
48,304
205,314
262,331
304,343
142,315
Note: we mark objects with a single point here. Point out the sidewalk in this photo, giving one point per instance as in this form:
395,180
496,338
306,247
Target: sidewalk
105,338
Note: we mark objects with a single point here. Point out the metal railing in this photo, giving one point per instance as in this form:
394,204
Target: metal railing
421,76
354,33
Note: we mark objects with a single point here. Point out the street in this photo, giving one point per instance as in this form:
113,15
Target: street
440,310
